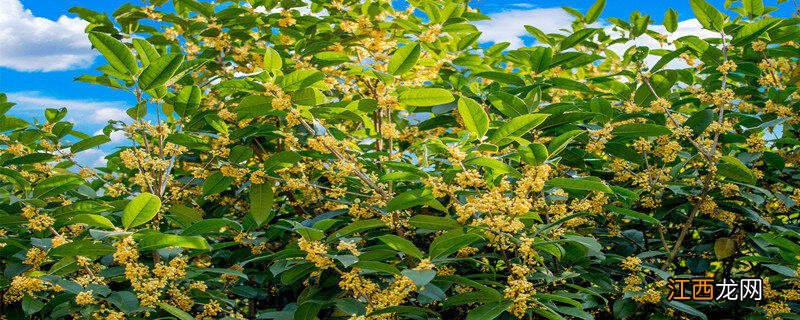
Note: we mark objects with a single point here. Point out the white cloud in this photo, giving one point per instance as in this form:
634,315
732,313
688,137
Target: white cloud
91,158
690,27
115,136
509,25
523,5
80,111
30,43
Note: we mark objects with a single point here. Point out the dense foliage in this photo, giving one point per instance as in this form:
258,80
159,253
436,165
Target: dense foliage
351,160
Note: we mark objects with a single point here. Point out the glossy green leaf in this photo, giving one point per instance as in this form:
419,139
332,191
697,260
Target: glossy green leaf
671,20
488,311
156,240
517,127
732,168
272,60
262,196
401,245
409,199
187,101
117,54
160,71
579,184
216,183
707,15
89,143
140,210
594,11
475,118
425,97
404,59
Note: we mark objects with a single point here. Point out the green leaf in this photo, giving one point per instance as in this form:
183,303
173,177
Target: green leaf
502,77
281,160
157,240
422,221
240,154
754,8
262,196
307,311
272,60
254,106
594,11
540,58
140,210
300,79
216,122
54,115
89,143
15,177
401,245
475,118
38,157
86,248
409,199
497,166
425,97
534,153
175,311
576,38
707,15
308,97
420,278
359,226
146,52
724,247
579,184
160,71
118,55
489,311
731,168
449,243
187,101
56,185
680,306
216,183
539,35
31,305
633,214
404,59
751,31
559,143
671,20
641,130
509,105
214,225
517,127
94,220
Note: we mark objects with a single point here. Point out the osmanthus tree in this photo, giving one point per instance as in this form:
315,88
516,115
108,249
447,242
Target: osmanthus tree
351,160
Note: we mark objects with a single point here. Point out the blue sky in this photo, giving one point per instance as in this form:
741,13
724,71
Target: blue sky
43,48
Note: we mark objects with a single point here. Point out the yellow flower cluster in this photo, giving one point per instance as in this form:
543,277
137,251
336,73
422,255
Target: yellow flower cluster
315,252
85,297
519,290
22,285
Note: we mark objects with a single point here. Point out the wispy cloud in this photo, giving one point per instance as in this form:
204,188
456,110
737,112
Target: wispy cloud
80,111
115,136
690,27
509,25
31,43
91,158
